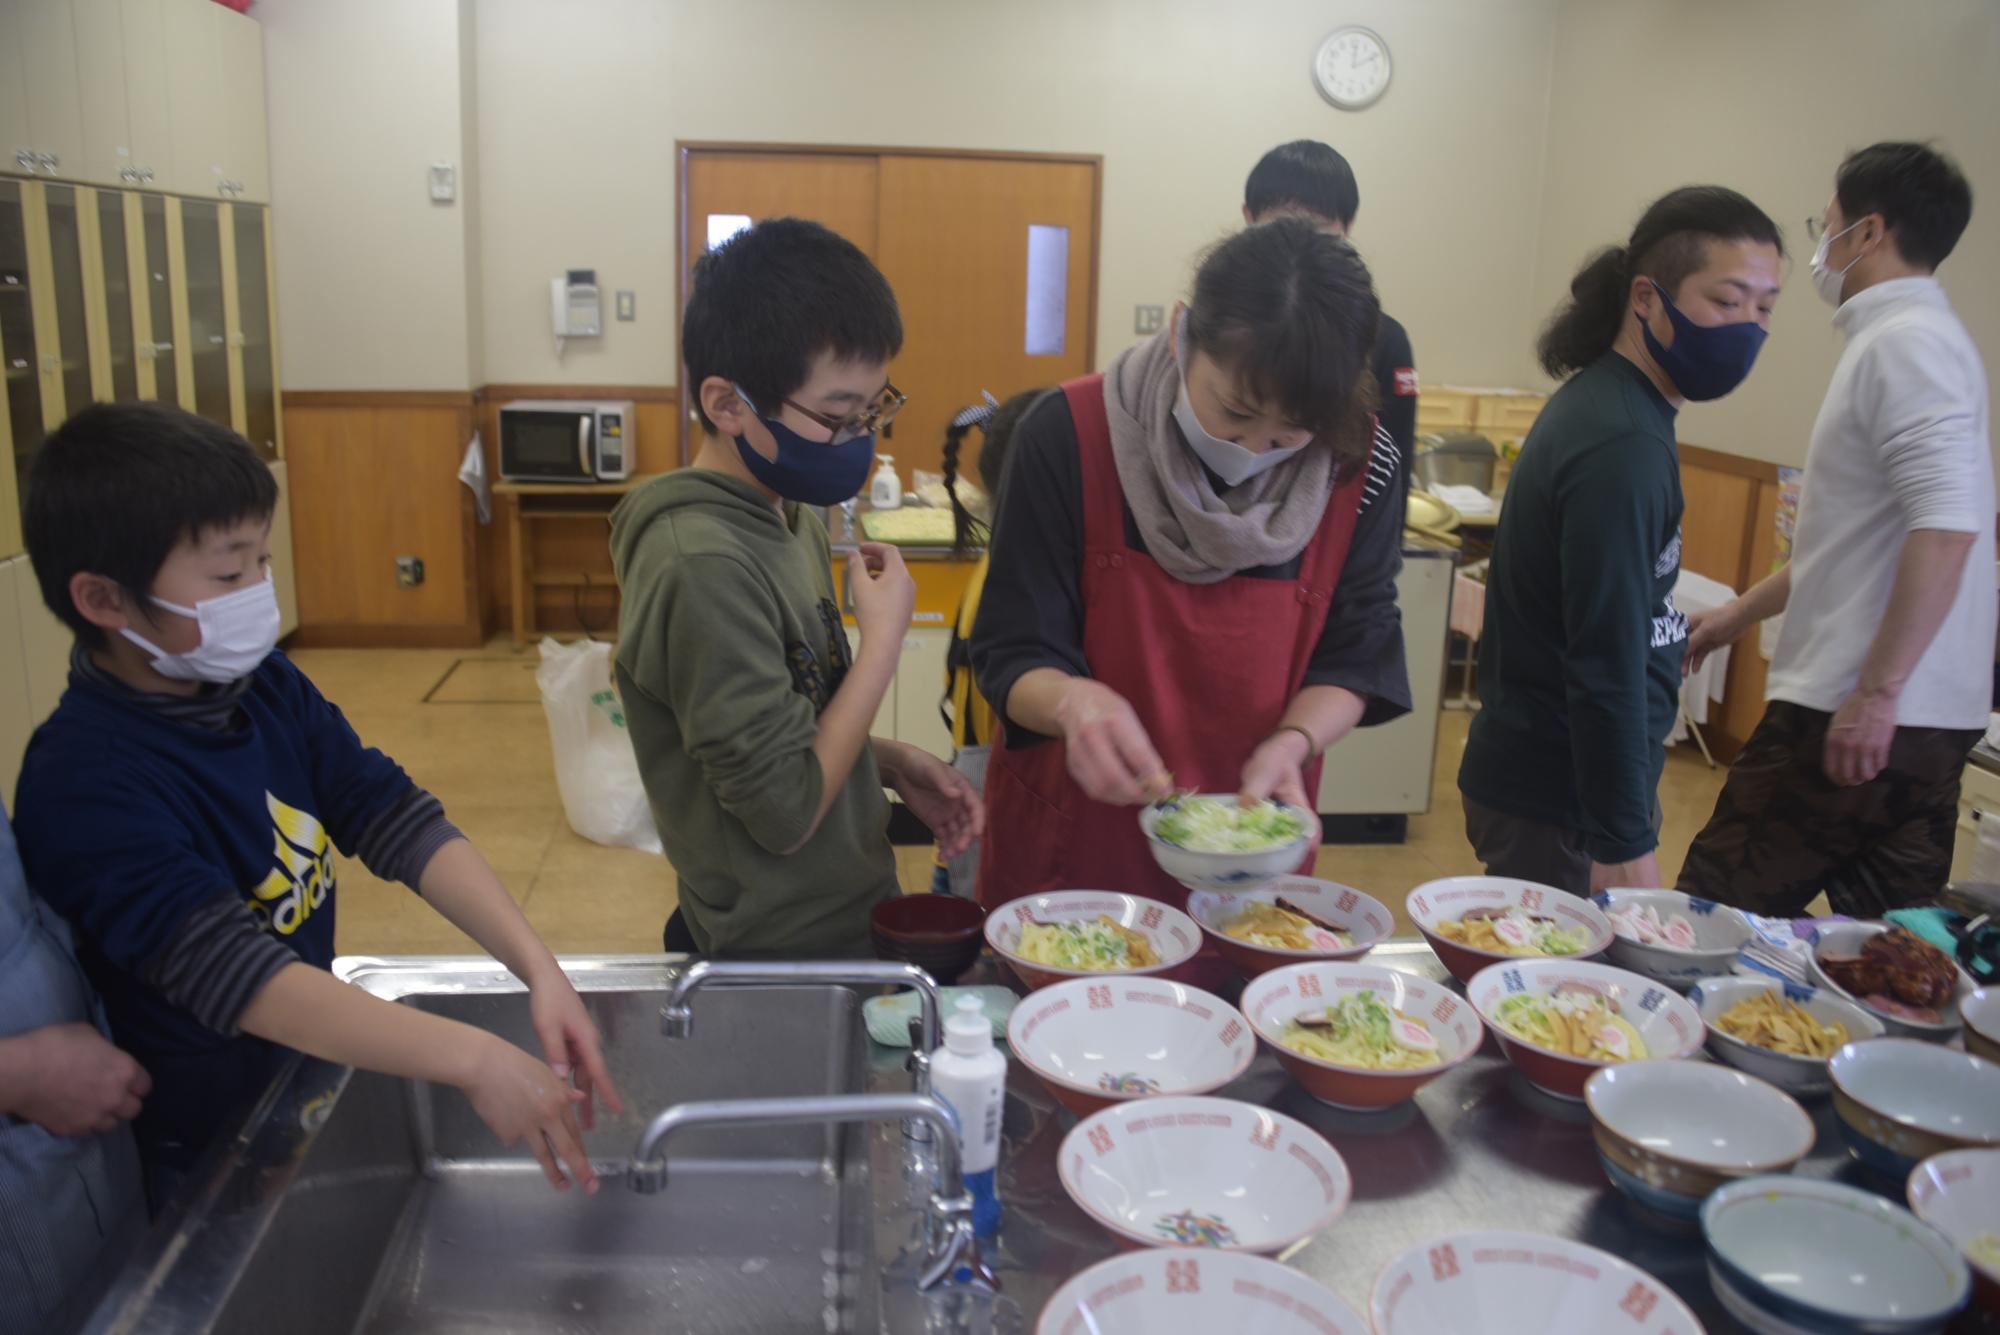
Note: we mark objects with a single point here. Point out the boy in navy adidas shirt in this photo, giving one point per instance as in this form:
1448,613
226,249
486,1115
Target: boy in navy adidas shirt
181,807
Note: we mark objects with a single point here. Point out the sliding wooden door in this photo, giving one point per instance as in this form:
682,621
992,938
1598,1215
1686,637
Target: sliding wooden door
992,256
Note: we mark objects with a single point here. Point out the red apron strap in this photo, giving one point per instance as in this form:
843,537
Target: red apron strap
1103,496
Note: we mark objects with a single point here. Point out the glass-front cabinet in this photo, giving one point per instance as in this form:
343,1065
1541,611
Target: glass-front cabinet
123,295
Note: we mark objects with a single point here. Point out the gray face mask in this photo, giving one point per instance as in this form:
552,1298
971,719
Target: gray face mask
1225,458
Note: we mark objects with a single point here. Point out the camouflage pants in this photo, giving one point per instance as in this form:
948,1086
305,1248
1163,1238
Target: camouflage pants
1782,831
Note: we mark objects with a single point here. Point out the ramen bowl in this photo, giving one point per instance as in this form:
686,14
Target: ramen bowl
1273,1000
1172,934
1154,1290
1716,933
1203,1172
1667,1023
1361,920
1448,900
1669,1132
1494,1283
1094,1042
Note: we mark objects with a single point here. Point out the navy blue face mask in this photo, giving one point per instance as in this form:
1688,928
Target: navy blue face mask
811,472
1706,361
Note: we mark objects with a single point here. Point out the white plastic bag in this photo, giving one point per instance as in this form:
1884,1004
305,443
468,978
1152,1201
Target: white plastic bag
596,771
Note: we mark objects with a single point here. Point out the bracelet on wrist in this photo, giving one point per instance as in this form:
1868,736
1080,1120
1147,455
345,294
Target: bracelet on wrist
1312,743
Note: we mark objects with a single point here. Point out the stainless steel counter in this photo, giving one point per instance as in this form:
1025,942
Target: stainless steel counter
1477,1148
353,1203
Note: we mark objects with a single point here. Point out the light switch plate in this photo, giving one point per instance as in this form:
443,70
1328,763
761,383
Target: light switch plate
628,303
1148,319
444,182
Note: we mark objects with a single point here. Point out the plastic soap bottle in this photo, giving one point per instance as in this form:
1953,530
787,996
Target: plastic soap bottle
886,492
971,1075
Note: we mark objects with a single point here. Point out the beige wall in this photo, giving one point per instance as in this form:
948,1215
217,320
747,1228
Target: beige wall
581,104
373,288
1767,96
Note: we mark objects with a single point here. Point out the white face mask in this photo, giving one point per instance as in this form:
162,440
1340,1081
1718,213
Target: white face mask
1229,461
1827,282
238,631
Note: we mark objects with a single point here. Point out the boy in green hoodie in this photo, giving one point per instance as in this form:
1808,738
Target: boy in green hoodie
748,712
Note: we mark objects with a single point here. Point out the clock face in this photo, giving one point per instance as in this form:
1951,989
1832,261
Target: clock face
1352,68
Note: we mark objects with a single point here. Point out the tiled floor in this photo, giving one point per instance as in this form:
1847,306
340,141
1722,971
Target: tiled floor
470,727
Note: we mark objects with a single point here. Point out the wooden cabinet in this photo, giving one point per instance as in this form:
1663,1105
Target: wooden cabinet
120,295
34,664
245,141
161,93
215,101
122,77
283,572
17,719
41,110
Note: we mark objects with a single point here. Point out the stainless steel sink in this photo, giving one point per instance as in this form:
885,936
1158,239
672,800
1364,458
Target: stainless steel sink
352,1202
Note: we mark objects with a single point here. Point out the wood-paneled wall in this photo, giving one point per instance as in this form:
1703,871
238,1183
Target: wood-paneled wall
657,408
1730,534
374,476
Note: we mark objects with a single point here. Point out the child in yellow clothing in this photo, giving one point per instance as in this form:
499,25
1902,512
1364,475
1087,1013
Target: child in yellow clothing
966,712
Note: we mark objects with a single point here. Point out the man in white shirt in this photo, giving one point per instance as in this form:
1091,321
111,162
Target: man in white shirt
1883,676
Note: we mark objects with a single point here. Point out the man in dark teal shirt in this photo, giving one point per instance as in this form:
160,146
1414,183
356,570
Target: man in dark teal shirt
1579,665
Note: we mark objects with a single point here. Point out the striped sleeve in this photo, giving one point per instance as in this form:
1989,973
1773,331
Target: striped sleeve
1384,462
400,843
216,962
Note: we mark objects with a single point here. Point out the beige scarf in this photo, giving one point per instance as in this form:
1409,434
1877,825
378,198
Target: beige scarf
1197,536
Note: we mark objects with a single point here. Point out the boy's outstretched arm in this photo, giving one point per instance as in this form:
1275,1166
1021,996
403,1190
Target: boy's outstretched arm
516,1096
459,884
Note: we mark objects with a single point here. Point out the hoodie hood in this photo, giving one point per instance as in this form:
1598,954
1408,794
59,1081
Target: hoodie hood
738,506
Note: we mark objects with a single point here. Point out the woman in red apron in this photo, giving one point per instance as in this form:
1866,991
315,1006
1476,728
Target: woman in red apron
1192,578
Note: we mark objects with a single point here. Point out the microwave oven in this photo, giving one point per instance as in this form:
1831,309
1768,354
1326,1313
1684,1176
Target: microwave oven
566,440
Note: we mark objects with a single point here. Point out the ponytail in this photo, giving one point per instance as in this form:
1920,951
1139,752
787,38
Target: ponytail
1669,243
1585,329
967,529
996,423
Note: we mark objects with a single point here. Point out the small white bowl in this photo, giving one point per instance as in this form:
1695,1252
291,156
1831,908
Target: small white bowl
1226,871
1174,935
1494,1283
1158,1290
1795,1074
1797,1252
1719,932
1981,1012
1667,1022
1364,919
1900,1101
1670,1132
1434,902
1958,1194
1273,1000
1846,938
1095,1042
1203,1172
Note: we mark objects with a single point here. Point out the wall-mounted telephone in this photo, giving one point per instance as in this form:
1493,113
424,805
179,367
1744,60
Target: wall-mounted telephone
574,309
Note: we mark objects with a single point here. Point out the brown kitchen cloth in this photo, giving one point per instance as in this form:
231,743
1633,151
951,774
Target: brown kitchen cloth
1197,536
1782,831
1521,848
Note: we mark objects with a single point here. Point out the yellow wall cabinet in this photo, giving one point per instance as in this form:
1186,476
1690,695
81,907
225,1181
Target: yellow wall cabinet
167,94
17,718
118,295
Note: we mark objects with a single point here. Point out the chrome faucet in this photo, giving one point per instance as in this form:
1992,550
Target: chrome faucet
677,1017
949,1242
